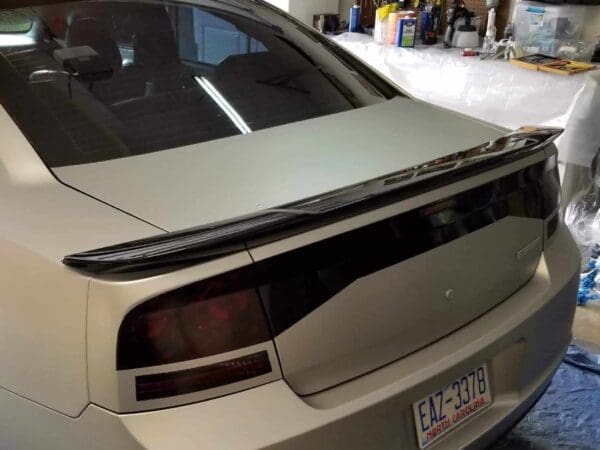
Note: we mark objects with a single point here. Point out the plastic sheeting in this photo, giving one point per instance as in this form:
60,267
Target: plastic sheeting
588,289
581,140
492,90
581,184
584,359
566,417
582,198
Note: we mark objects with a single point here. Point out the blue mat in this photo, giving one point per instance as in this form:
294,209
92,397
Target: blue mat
566,417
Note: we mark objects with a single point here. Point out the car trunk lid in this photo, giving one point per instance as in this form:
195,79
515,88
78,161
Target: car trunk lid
228,178
343,305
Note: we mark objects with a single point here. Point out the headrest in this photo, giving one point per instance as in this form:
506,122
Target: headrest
89,31
152,49
154,41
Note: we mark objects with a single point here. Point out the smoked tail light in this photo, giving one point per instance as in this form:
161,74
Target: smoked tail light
161,385
206,319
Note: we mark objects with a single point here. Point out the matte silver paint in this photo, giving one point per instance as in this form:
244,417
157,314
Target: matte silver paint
393,312
228,178
373,411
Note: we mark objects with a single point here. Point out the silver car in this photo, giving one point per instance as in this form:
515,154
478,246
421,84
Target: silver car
220,230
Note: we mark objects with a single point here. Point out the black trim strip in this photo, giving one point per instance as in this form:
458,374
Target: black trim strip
169,384
220,239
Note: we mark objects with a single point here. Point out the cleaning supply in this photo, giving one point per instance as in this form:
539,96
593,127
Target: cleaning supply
491,25
381,22
490,34
455,17
449,27
466,35
354,24
425,23
431,23
407,31
393,23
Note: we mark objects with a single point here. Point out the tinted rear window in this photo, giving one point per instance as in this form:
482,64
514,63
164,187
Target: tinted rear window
99,80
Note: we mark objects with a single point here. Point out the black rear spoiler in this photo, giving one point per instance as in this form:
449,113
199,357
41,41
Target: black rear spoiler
224,238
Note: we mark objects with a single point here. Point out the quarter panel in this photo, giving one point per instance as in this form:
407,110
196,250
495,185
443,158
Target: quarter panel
42,302
42,330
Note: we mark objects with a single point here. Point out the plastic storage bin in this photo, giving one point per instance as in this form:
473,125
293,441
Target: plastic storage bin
544,28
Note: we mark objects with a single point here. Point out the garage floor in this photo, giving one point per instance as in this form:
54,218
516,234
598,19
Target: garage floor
587,323
566,417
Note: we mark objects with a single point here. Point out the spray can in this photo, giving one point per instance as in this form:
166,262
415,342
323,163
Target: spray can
491,25
490,34
425,24
354,24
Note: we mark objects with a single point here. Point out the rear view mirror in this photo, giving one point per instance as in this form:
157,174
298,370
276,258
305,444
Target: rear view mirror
14,22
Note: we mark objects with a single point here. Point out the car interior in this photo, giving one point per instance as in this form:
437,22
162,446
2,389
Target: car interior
125,81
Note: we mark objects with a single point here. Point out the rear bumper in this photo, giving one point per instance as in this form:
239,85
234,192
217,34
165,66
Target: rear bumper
522,341
504,426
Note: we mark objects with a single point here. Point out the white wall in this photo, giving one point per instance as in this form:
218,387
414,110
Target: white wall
305,9
281,4
345,6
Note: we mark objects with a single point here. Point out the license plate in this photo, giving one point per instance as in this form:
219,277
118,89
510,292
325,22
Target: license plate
440,412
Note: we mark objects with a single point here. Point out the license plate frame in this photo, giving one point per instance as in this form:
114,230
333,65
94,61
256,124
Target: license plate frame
445,409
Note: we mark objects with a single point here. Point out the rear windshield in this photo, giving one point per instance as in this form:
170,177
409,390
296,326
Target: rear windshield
98,80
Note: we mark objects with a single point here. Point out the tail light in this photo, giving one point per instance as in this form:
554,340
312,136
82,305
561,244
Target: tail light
208,318
160,385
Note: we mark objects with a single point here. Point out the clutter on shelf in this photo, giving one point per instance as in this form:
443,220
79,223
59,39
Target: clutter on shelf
462,28
326,23
504,48
554,28
546,28
546,63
